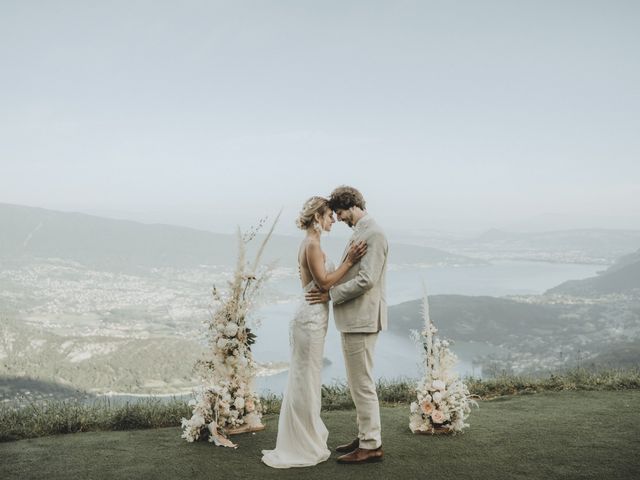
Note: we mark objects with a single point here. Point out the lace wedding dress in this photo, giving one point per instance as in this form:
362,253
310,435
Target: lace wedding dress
302,435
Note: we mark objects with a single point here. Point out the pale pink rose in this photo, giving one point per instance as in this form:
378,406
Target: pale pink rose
437,416
427,407
249,405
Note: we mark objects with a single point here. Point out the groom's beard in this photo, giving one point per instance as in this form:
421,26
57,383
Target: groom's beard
349,221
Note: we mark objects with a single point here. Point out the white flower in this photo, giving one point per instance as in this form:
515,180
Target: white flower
222,343
458,425
239,403
231,329
197,420
414,407
438,385
253,420
437,397
224,407
188,435
417,424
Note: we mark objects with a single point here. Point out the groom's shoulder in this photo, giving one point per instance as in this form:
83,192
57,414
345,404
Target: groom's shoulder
374,230
374,225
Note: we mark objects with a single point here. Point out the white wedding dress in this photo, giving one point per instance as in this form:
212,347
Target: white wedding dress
302,435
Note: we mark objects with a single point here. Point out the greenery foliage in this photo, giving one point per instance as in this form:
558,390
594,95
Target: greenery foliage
49,417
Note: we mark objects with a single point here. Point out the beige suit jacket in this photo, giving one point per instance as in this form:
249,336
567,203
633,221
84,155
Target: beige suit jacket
359,299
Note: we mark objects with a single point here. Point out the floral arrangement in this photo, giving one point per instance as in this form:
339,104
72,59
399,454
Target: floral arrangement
226,402
443,401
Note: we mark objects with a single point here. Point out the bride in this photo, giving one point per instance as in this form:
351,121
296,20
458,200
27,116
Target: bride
302,436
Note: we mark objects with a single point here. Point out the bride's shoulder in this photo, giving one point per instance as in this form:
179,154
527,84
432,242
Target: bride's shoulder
308,243
310,248
311,244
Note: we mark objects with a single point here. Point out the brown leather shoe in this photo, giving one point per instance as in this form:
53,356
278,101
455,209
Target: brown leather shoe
362,455
349,447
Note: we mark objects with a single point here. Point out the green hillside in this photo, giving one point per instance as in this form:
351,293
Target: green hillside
482,318
622,277
535,333
156,365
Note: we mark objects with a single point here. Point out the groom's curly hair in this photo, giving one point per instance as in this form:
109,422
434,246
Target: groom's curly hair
345,197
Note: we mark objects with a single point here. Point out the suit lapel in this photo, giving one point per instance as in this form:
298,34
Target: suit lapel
356,234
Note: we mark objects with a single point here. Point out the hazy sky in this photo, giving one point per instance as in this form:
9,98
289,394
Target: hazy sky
455,115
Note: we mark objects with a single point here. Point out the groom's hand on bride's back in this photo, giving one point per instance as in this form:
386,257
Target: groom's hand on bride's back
316,295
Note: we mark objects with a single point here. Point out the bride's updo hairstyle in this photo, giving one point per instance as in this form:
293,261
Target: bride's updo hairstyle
312,206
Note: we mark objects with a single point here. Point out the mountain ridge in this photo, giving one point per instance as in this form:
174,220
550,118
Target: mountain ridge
94,240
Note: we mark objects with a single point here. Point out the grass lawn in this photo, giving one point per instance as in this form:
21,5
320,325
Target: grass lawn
584,434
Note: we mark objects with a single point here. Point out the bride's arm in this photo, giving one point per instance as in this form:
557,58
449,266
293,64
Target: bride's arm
315,259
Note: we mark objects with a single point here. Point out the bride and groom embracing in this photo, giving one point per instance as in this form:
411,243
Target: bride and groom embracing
357,291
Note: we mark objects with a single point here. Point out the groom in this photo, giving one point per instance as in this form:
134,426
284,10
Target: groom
360,312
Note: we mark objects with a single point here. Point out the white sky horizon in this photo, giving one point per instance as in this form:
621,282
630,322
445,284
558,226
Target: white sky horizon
458,117
440,227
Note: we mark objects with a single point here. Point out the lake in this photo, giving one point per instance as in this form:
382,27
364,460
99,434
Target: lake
396,356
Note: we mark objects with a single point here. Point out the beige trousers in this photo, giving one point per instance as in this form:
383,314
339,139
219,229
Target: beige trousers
358,359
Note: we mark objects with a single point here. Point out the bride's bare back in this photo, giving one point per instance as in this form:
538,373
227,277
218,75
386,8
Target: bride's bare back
303,264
